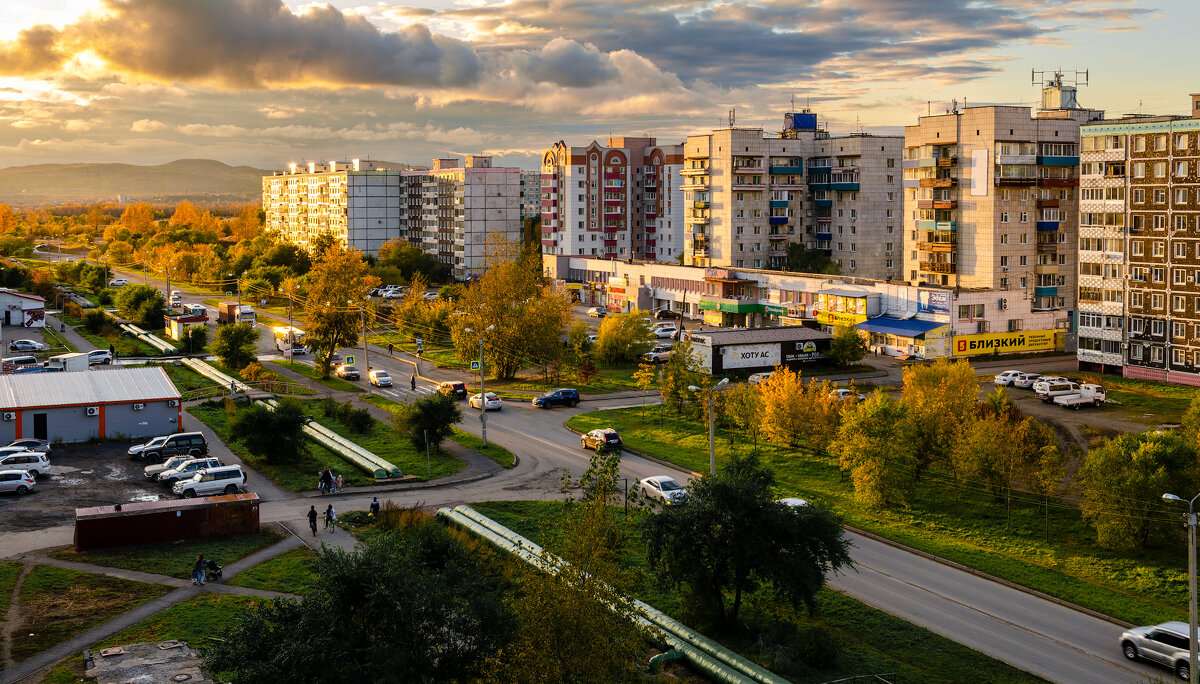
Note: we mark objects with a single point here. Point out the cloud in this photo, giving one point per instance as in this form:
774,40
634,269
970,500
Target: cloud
146,126
565,62
215,131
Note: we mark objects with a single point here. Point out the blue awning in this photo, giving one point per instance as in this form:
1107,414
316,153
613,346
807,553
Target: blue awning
901,328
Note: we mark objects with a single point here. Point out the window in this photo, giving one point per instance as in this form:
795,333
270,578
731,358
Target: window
1024,260
1139,196
1181,168
1139,169
1160,169
1004,261
1024,217
1004,217
852,266
1180,250
1156,354
1177,276
1004,238
1181,195
1177,305
1139,143
1181,141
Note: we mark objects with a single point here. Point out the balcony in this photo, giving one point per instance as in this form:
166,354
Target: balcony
650,229
945,204
1055,160
936,266
1058,182
549,243
1047,247
610,243
651,243
823,203
750,169
946,225
1015,180
610,255
549,203
777,252
1047,225
702,187
693,172
820,167
1014,159
699,205
651,215
787,170
844,185
1045,291
947,162
777,236
695,220
938,182
926,225
747,186
778,204
611,175
700,253
1045,203
1046,269
937,246
777,220
825,236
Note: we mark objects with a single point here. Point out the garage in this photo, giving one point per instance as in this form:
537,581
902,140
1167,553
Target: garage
120,403
756,350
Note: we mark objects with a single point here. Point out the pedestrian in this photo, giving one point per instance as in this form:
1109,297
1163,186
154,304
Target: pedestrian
391,347
198,570
412,382
233,387
330,517
312,519
320,482
374,506
327,480
337,486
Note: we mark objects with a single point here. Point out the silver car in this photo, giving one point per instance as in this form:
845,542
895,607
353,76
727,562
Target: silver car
17,481
663,488
1166,644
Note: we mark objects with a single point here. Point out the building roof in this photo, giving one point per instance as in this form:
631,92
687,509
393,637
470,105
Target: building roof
790,333
24,295
78,388
910,327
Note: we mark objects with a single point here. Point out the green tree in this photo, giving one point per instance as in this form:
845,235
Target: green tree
678,373
337,289
847,347
732,537
235,345
801,259
277,435
411,606
623,338
1122,483
432,417
875,443
196,339
744,406
1044,475
644,379
142,304
409,260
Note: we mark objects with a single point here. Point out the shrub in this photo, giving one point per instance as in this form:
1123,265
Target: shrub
94,321
817,648
105,297
255,372
358,420
73,310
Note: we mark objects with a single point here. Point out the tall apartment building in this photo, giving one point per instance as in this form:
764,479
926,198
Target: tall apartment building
448,211
989,204
745,202
1139,246
618,201
531,194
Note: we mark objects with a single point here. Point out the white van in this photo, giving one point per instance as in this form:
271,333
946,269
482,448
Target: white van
211,482
1055,389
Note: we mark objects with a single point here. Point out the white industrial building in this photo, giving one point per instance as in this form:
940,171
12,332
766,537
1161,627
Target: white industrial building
22,309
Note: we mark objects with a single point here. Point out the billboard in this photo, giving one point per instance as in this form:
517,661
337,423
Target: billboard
801,351
933,301
1003,343
749,355
834,318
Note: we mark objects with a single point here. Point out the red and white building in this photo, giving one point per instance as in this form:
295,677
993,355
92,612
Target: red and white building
22,310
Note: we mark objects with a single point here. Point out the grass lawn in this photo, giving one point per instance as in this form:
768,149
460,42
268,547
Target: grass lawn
605,381
383,441
300,476
57,604
175,559
871,641
125,346
494,451
1143,587
1145,401
184,378
332,382
9,571
289,573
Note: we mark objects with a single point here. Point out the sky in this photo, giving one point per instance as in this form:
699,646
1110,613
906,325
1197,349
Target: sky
268,82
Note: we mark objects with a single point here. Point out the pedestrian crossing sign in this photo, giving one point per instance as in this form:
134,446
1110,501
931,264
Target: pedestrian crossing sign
474,365
349,359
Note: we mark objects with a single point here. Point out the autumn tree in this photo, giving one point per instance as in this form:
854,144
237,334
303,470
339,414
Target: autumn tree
623,338
247,224
983,447
1043,476
744,406
875,443
644,379
678,373
337,289
138,218
186,215
782,398
8,220
847,347
938,399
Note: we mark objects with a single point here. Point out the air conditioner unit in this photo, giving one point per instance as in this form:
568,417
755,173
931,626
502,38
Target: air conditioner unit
10,415
173,403
1004,269
1002,304
93,410
138,407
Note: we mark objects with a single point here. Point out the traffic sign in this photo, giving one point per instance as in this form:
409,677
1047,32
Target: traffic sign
474,365
349,359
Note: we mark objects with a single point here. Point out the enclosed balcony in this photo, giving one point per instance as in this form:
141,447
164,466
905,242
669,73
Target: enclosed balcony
938,182
777,252
1058,182
749,168
1047,247
693,172
1045,291
777,236
937,246
700,204
936,266
823,203
787,170
946,225
779,204
610,243
1047,225
777,220
1046,203
1046,269
1058,160
824,235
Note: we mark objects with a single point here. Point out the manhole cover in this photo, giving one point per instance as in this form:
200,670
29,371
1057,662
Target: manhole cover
181,677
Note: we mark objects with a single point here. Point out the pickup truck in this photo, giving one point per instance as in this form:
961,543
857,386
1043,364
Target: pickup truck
1088,394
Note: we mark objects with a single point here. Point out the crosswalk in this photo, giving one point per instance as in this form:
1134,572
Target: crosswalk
404,392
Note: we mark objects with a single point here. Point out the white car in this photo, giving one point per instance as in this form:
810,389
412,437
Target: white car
758,378
18,481
118,282
32,445
99,356
1026,380
666,332
212,482
1007,377
596,312
793,502
26,345
843,394
492,403
137,451
663,488
33,462
380,378
593,339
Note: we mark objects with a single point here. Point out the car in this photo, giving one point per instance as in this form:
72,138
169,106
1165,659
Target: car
493,402
557,397
211,482
1007,377
758,378
174,300
1047,380
593,339
335,358
430,296
663,488
190,444
186,469
666,332
844,394
793,502
26,345
648,321
347,372
151,472
137,452
1048,391
33,444
1165,644
455,389
379,378
660,354
34,462
118,282
18,481
1026,380
392,294
601,439
99,357
664,314
596,312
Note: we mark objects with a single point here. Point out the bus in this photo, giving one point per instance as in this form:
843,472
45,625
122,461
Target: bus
286,337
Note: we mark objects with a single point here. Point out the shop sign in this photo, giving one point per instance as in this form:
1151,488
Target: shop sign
1002,343
841,304
801,351
836,318
933,301
714,318
718,274
797,311
619,282
749,355
773,309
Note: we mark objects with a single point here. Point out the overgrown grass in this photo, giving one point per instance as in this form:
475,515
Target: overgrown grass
398,450
332,382
1143,587
288,573
184,378
494,451
199,621
871,641
300,476
175,559
57,604
125,346
1146,401
9,571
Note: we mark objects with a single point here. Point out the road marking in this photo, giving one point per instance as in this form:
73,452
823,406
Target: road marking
386,391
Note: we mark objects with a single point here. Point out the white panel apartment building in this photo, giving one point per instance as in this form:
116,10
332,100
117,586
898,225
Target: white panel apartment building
618,201
450,211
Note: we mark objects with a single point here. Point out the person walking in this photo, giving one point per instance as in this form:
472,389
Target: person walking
391,348
412,382
312,519
320,482
374,506
198,570
330,518
337,484
327,480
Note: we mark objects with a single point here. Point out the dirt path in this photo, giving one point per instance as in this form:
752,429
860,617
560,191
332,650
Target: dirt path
13,618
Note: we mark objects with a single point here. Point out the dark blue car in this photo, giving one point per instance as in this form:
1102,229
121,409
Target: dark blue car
557,397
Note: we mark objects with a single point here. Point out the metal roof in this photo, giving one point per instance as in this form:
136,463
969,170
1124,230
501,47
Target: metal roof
787,333
37,390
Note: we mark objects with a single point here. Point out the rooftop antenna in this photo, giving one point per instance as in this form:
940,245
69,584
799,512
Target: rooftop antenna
732,116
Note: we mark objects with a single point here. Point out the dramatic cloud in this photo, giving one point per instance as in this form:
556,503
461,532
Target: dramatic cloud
567,63
146,126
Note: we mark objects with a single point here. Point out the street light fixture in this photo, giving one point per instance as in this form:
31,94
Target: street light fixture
1191,525
712,444
482,393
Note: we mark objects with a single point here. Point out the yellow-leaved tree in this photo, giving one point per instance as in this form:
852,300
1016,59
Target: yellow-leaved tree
875,444
940,400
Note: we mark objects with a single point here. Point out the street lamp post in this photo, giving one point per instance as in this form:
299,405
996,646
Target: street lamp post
482,393
712,443
366,359
1191,525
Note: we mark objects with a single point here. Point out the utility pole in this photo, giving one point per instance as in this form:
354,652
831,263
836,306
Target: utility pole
366,359
482,392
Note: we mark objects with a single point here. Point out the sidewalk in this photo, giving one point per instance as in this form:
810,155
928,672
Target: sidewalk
78,341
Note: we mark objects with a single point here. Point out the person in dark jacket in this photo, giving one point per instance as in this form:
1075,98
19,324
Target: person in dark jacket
374,506
413,383
312,519
198,570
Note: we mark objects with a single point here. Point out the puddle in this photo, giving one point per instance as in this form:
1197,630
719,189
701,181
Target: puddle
62,470
69,481
145,497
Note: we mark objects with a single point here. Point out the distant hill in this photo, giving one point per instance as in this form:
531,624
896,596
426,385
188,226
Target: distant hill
198,180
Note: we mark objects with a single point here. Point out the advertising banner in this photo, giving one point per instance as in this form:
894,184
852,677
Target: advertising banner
933,301
835,318
713,318
749,355
800,351
1002,343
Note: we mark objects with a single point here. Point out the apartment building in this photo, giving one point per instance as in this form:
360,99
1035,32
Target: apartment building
450,211
531,195
745,200
1139,246
616,201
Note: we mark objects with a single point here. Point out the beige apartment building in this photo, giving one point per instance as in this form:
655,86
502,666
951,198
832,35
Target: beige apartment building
747,197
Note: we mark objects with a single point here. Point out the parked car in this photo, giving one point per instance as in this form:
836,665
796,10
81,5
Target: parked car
186,469
596,312
430,296
347,372
1026,380
1007,377
392,294
1089,395
455,389
211,482
151,472
663,314
793,502
16,481
660,354
492,403
118,282
26,346
1166,644
663,488
557,397
593,339
1045,380
603,438
99,357
666,332
379,378
1050,390
190,444
34,462
758,378
137,452
33,444
843,394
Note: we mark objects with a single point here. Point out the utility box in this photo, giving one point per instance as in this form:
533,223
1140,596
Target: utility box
152,522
